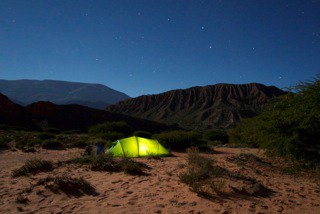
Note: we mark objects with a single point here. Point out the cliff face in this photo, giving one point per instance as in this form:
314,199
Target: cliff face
220,105
64,117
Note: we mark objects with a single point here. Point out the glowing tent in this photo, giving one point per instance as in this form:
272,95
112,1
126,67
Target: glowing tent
133,147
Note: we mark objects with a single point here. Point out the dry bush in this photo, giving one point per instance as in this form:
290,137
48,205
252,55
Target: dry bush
201,174
68,185
33,166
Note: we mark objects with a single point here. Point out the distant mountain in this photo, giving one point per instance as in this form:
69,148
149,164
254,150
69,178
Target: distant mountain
13,114
213,106
65,117
25,92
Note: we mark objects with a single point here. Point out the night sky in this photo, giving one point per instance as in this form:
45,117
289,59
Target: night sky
145,47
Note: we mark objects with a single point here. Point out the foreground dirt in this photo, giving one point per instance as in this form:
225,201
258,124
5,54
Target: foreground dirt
158,192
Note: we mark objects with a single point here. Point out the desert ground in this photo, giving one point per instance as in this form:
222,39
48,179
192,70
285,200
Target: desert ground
159,191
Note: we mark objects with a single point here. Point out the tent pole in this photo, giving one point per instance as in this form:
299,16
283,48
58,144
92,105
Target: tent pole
138,146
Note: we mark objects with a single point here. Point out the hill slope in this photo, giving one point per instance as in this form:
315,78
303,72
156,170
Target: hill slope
65,117
26,92
220,105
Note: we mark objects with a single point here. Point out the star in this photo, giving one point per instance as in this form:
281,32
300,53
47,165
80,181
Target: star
202,27
210,47
97,59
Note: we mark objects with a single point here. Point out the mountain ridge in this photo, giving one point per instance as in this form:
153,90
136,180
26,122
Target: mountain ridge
41,115
26,91
220,105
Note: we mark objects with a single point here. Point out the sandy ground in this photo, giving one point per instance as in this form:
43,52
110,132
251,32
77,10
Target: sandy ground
160,192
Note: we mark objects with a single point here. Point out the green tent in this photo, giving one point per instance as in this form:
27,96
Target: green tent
133,147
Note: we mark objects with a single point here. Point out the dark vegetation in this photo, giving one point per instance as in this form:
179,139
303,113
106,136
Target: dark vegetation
4,143
106,162
33,166
200,174
144,134
179,140
217,135
52,144
69,185
206,178
289,127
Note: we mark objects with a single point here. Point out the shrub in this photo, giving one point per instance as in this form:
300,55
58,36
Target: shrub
4,143
53,131
80,144
289,127
119,127
33,166
27,141
52,144
16,128
69,185
217,135
72,132
104,162
200,174
131,167
178,140
110,136
144,134
46,136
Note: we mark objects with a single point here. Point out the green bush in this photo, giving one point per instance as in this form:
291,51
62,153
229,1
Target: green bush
289,127
46,136
110,136
131,167
27,141
52,144
144,134
178,140
15,128
53,131
217,135
109,127
79,144
70,132
201,174
4,143
104,162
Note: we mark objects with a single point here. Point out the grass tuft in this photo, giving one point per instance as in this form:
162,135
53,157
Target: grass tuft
33,166
71,186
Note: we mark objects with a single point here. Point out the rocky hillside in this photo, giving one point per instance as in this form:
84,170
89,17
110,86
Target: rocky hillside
13,114
65,117
220,105
25,92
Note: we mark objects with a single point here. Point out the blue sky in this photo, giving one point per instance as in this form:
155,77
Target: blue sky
151,46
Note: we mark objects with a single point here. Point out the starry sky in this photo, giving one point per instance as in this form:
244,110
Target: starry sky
151,46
